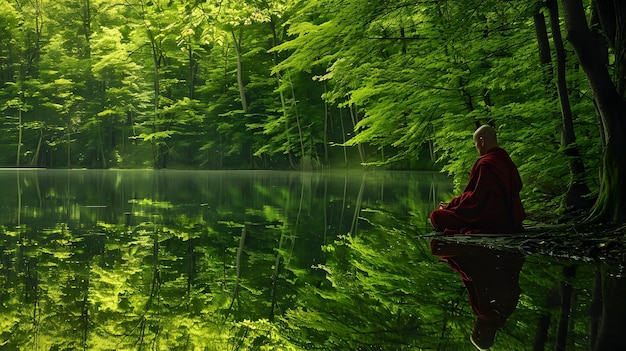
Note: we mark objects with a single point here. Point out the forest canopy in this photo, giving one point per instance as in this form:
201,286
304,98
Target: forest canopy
317,84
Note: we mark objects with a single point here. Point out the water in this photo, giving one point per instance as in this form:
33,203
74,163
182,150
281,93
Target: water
176,260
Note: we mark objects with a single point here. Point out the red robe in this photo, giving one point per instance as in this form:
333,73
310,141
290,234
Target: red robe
490,202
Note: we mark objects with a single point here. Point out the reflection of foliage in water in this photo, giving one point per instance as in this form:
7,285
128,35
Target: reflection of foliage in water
370,299
385,292
305,264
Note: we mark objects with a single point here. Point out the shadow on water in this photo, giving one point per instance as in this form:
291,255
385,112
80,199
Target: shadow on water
133,260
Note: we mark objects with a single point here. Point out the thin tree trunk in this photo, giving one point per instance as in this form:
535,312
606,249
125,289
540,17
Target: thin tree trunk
545,58
69,142
275,275
281,94
84,316
242,92
102,154
19,136
566,305
154,142
326,119
343,135
343,200
283,106
354,117
575,197
91,83
19,199
242,241
543,324
157,93
35,158
191,265
295,108
192,64
354,227
596,307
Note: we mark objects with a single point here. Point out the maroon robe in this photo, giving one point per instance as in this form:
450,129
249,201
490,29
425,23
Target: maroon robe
490,202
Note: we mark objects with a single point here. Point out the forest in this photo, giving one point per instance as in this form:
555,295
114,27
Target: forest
322,84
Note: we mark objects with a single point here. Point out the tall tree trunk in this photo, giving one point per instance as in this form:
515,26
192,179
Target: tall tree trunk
611,204
611,15
295,109
242,92
35,160
28,67
281,94
543,43
543,323
158,156
343,136
577,190
612,323
596,307
93,92
354,115
326,120
242,241
569,272
192,69
354,227
69,142
20,128
157,93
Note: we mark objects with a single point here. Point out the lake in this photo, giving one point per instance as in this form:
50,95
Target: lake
259,260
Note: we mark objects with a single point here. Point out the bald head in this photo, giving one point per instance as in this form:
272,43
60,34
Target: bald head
485,139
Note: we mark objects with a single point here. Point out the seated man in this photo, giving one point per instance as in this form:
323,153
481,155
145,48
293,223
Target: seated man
490,202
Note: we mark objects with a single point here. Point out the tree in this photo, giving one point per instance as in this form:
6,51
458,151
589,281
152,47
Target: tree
20,54
608,95
125,89
84,19
12,73
576,197
154,27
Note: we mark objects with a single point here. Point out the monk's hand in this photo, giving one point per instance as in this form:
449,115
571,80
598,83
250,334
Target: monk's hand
442,205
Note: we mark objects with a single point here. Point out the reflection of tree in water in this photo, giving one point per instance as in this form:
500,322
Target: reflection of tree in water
609,323
309,263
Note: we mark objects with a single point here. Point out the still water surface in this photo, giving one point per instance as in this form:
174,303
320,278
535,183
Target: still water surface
252,260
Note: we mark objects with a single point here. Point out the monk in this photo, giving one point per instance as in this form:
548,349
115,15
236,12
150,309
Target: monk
490,202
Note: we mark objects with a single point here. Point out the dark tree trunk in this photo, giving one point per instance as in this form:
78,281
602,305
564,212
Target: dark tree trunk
543,44
611,15
543,324
611,204
596,307
569,272
612,323
577,190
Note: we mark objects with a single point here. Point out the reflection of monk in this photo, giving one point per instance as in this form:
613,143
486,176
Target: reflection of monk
490,201
491,279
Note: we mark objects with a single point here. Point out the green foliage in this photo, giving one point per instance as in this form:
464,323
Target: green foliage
169,260
286,84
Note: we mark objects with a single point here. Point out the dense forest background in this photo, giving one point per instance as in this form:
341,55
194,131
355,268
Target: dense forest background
316,84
